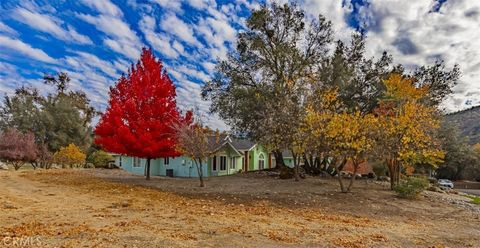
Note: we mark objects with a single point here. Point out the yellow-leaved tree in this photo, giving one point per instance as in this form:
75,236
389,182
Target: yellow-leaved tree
406,127
70,156
341,135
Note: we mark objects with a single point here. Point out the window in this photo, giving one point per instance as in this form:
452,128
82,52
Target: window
261,162
214,163
120,161
233,164
136,162
166,161
223,163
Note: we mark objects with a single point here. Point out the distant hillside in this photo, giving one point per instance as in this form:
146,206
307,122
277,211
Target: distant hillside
468,122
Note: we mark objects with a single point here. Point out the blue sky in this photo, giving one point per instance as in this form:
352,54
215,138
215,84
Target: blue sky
96,40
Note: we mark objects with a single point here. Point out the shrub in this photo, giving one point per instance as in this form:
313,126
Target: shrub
17,148
89,166
100,159
379,168
70,156
475,199
433,180
411,187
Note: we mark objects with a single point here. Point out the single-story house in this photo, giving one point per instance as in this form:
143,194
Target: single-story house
231,156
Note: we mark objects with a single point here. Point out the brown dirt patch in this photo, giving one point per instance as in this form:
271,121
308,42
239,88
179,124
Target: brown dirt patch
111,208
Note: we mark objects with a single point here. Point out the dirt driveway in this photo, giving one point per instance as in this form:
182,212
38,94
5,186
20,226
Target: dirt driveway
111,208
471,191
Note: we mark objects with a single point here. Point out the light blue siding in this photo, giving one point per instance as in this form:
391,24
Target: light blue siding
182,166
126,163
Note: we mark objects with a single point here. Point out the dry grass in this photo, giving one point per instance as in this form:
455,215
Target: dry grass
71,208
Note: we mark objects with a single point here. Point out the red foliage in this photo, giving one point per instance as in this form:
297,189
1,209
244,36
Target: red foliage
141,113
17,148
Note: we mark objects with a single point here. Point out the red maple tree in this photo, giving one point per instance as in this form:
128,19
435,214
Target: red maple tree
141,113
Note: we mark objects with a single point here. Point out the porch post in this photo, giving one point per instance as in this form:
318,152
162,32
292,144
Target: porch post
246,161
270,160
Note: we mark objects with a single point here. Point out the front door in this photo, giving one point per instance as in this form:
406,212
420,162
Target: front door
261,162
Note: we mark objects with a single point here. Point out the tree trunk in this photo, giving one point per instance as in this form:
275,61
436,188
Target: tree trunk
342,187
17,165
306,164
295,165
392,171
200,171
278,159
397,181
148,169
317,163
339,168
352,179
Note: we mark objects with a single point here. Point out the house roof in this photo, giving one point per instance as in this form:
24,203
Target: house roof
219,141
242,144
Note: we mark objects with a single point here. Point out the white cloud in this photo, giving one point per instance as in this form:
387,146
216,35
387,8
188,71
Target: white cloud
112,26
121,65
189,98
104,7
201,4
7,30
335,11
172,24
129,49
178,46
50,25
169,4
416,35
160,42
85,60
6,68
193,72
209,66
25,49
123,39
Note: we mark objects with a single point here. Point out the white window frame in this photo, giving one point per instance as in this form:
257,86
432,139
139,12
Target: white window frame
223,158
136,163
166,161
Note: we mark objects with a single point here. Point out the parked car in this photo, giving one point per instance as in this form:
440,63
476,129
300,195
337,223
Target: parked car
445,183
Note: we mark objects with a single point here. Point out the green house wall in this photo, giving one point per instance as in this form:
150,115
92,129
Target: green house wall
185,167
230,154
254,156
